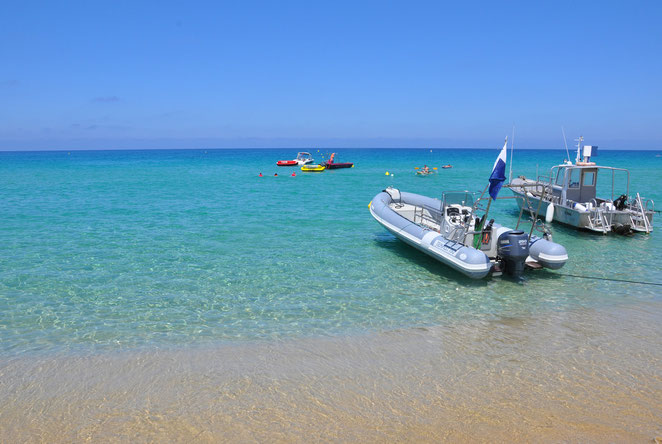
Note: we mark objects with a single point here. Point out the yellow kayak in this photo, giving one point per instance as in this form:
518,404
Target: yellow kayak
312,168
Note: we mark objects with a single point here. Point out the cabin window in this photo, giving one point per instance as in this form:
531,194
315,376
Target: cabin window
560,174
574,178
589,179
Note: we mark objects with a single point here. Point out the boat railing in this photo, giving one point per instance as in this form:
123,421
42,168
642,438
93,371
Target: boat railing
652,205
426,216
536,224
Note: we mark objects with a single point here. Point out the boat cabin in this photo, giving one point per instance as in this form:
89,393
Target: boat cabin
578,183
304,156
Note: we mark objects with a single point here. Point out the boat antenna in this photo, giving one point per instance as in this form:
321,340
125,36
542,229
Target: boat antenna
565,142
512,148
579,147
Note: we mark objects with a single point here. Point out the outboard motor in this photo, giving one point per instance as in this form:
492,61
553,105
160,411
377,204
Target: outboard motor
513,248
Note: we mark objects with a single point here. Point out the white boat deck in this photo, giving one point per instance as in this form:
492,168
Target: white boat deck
418,215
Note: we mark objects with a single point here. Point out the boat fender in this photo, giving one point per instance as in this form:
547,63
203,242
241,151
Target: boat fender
580,207
549,215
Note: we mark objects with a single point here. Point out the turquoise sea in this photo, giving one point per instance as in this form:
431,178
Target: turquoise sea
117,249
177,256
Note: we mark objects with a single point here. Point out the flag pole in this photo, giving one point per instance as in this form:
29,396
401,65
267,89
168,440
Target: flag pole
479,230
504,150
512,149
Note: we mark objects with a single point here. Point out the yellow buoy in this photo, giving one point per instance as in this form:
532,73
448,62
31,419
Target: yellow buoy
434,168
387,173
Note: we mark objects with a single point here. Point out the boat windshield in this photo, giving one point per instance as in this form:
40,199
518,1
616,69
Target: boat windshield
464,198
303,156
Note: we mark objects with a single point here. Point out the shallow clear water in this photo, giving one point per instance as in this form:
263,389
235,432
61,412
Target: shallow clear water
122,249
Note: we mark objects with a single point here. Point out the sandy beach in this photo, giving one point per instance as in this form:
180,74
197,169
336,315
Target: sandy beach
579,376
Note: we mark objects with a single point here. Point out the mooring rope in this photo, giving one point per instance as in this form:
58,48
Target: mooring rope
610,279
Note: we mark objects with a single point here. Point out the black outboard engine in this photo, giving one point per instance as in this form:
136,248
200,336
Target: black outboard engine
513,248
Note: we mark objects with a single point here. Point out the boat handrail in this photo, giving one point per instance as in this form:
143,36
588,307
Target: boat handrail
652,209
425,217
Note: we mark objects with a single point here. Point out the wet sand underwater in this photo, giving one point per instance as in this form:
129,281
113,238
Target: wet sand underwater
580,375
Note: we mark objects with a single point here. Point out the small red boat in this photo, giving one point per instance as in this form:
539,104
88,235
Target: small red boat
331,165
302,159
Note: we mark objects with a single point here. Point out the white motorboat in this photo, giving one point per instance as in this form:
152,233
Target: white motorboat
568,195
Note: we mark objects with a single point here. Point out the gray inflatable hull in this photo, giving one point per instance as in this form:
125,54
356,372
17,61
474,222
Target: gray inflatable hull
548,254
469,261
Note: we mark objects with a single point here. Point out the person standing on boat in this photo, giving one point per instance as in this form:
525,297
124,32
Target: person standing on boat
426,170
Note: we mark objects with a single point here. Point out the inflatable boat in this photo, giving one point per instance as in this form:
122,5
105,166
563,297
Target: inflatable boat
331,165
312,168
450,231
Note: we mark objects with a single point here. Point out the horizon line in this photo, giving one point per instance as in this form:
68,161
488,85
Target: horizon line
42,150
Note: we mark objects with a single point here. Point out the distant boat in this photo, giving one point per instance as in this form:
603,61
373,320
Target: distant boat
447,166
423,173
302,159
331,165
313,168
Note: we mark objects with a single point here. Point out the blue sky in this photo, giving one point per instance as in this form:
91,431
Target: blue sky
137,74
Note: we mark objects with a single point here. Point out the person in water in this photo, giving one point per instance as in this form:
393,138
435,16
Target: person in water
275,174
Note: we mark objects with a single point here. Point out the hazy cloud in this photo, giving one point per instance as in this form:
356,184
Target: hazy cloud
106,99
78,126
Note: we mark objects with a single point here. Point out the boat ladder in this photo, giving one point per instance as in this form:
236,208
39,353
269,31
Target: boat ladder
638,217
598,222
